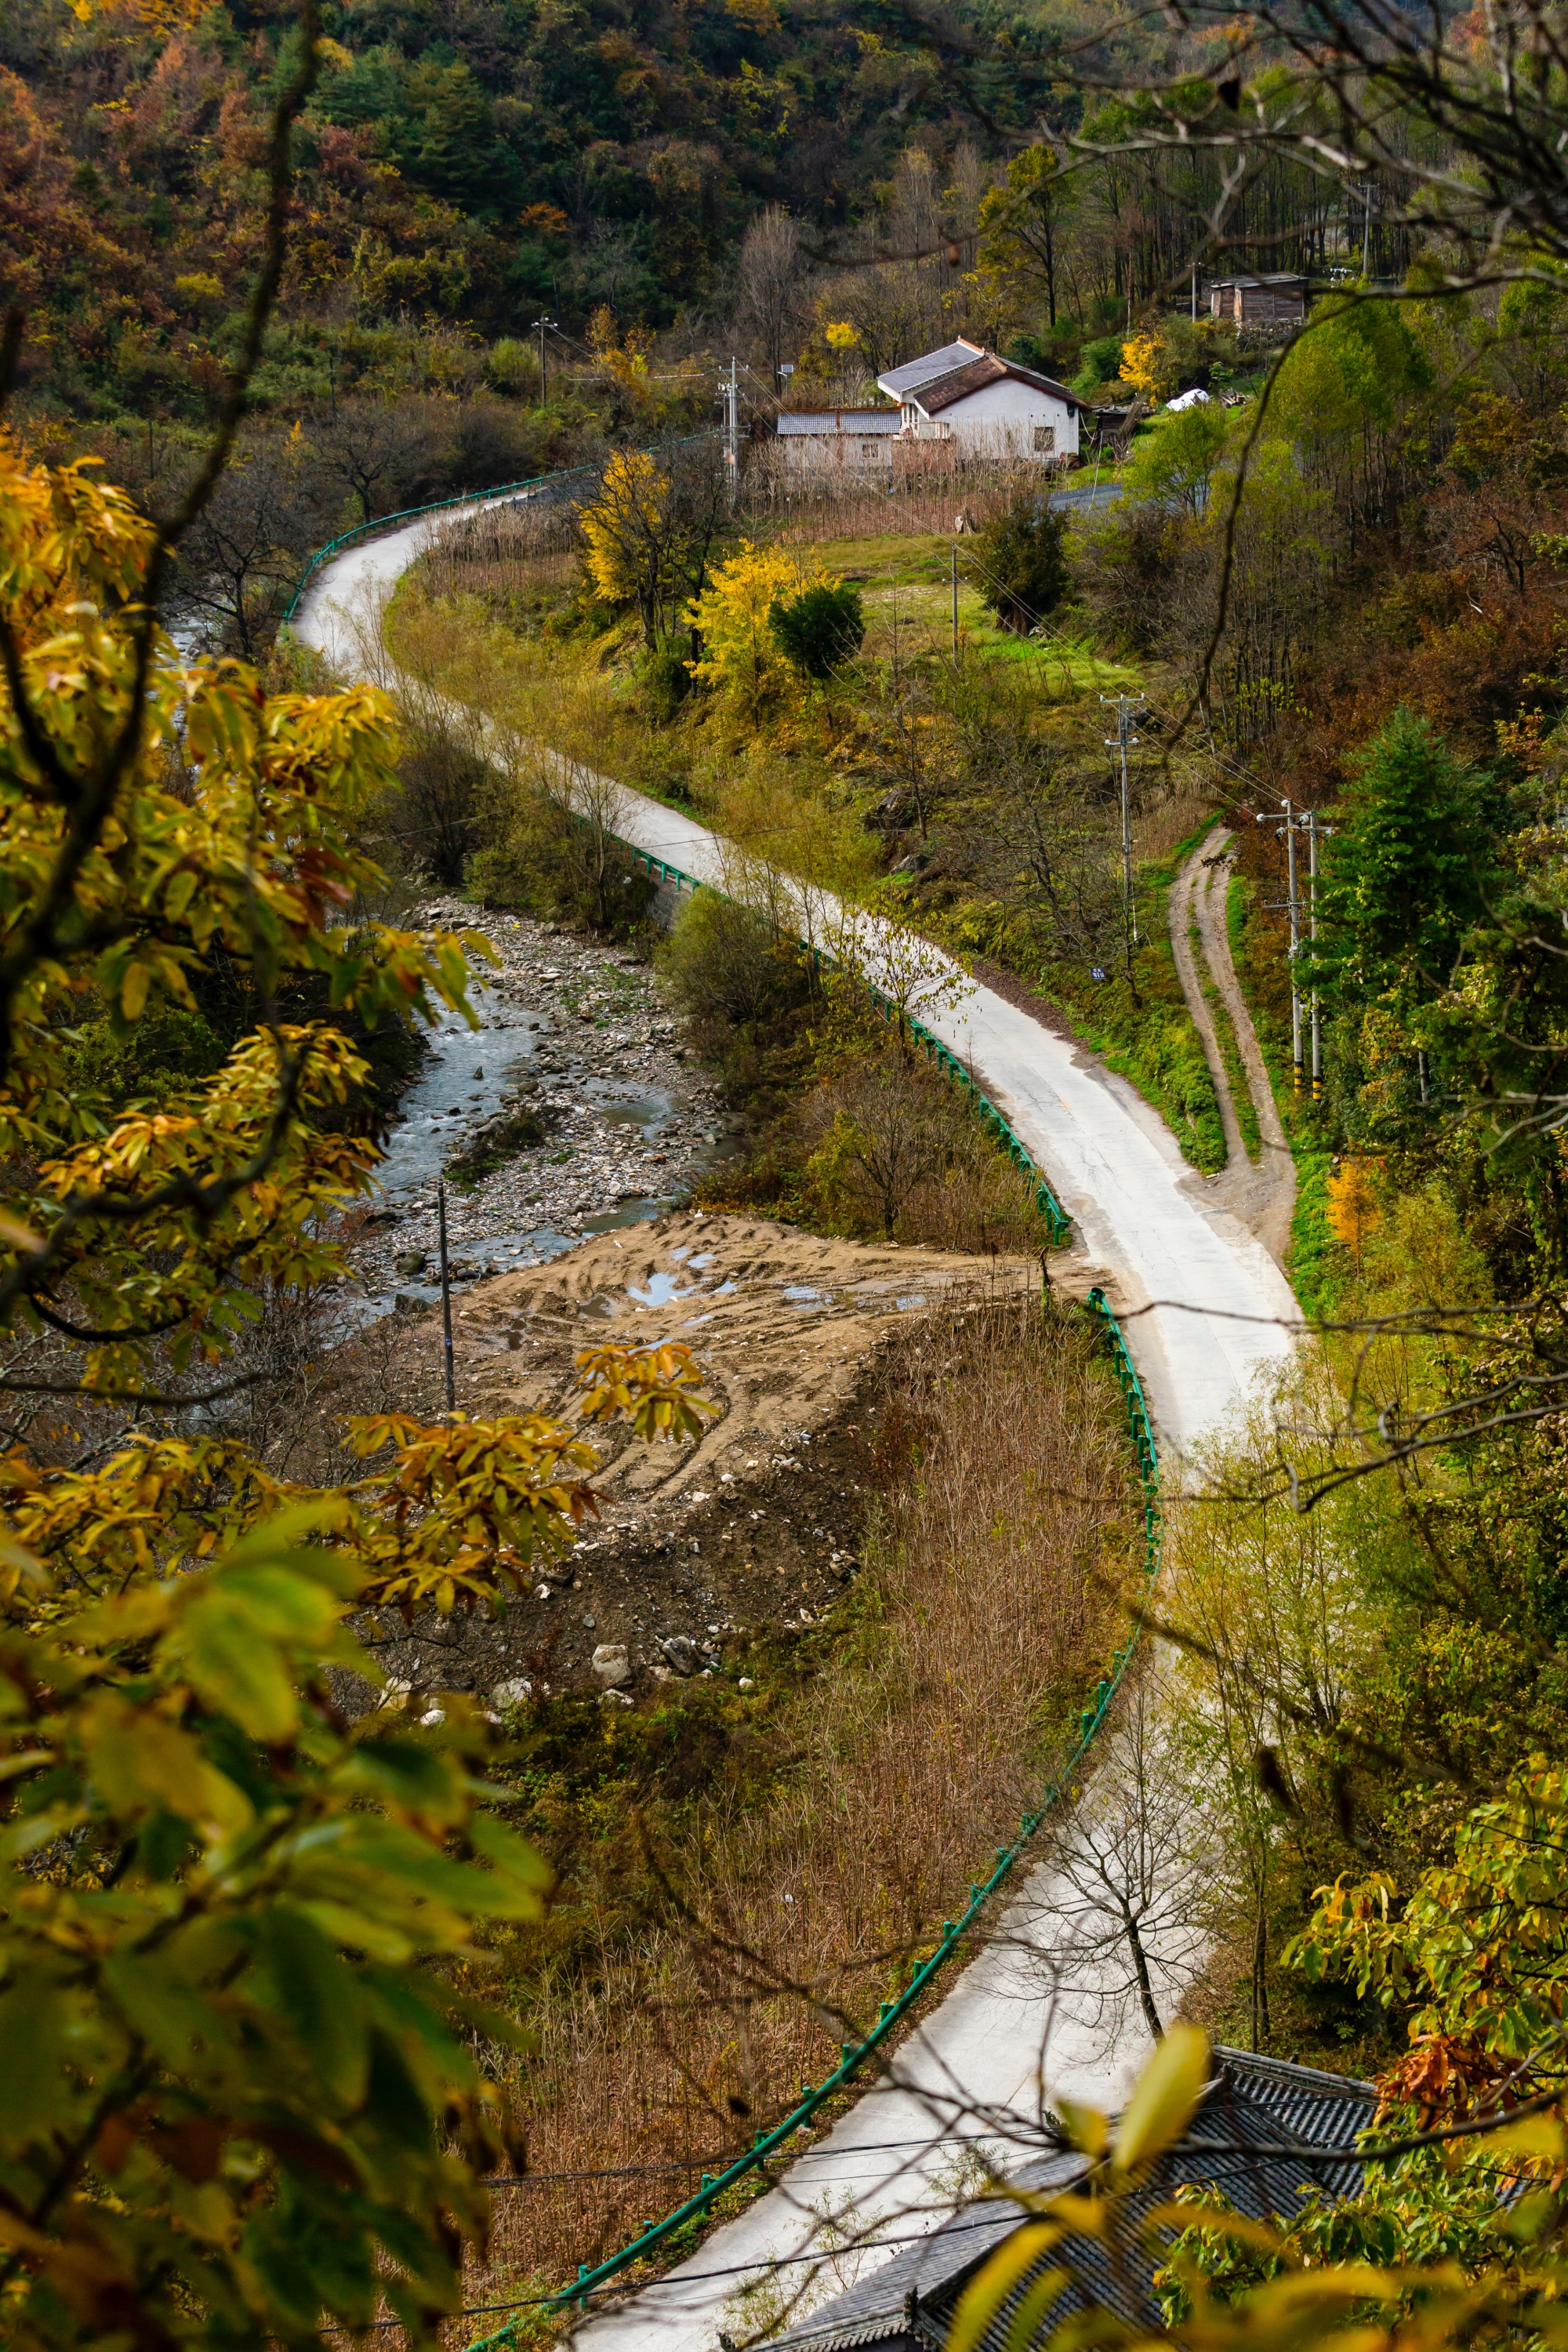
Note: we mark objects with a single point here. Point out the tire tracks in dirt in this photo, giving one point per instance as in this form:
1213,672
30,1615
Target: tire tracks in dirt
1261,1193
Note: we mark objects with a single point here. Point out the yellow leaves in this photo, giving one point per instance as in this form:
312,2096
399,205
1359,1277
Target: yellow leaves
840,335
984,2295
1146,364
1353,1207
1165,2099
625,362
1086,2127
656,1389
629,512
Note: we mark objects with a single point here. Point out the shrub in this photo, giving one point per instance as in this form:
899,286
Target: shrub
742,983
666,679
1024,571
554,855
822,628
512,367
1102,364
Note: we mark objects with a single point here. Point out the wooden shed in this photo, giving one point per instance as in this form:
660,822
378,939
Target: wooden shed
1279,299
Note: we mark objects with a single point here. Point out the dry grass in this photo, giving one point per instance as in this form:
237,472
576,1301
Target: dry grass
1164,821
506,550
925,490
928,1727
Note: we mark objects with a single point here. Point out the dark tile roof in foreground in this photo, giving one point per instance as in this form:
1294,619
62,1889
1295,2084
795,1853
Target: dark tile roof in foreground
1253,2103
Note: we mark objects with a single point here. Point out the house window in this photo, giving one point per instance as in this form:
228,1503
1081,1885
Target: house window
1044,440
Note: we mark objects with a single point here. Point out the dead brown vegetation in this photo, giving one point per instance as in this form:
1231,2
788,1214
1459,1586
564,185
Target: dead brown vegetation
718,1944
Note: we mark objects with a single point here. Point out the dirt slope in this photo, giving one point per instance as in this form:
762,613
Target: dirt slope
754,1525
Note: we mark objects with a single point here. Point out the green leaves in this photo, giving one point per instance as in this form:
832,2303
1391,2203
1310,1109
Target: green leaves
222,1922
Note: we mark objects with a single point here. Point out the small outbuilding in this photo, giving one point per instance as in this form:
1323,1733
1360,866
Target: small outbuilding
1259,2136
1279,299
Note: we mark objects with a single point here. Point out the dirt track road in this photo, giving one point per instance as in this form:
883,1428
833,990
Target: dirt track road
1262,1193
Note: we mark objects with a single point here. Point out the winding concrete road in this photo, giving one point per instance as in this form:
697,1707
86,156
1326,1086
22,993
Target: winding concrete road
1205,1309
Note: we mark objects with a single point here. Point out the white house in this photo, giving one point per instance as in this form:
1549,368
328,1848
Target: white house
841,440
990,407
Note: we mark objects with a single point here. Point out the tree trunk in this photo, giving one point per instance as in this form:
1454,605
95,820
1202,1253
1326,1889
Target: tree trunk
1145,1988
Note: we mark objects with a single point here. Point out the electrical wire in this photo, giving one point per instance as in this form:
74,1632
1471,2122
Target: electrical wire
1240,2153
697,2163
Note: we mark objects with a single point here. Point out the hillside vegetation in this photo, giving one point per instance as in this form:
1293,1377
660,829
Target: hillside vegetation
286,1988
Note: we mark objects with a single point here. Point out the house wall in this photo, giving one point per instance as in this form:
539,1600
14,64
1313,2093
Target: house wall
1255,306
1261,305
1001,421
838,453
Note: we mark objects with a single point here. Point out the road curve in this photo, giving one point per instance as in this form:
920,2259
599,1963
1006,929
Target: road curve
1206,1310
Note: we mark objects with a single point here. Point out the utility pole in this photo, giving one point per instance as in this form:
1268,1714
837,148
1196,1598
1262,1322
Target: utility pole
1312,935
446,1298
1124,741
539,324
1366,196
955,604
732,428
1292,821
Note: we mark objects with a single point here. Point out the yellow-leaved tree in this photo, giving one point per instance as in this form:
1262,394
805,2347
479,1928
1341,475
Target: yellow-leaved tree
238,1934
624,531
742,652
648,529
1147,366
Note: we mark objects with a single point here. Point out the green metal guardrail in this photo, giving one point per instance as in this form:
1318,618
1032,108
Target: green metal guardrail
477,500
954,1931
1057,1219
892,2012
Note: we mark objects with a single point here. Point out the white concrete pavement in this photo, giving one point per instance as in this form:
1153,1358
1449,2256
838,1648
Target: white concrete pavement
1206,1315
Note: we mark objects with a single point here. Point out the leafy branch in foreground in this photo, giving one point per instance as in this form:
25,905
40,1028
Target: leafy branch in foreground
240,2093
459,1517
225,851
237,1933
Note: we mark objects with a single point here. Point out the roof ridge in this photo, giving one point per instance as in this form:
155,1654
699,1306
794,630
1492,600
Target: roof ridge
1291,2070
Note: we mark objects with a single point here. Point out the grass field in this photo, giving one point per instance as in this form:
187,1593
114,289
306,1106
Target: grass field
905,586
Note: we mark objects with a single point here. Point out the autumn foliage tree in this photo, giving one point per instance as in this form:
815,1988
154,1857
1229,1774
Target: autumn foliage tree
238,1934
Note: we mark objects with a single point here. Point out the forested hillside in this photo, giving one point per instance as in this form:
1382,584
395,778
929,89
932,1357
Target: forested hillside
470,164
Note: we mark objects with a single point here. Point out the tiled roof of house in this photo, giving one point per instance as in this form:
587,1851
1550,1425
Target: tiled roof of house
943,390
1253,2103
900,379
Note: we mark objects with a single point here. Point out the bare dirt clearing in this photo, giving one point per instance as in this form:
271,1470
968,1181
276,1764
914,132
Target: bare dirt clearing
699,1547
